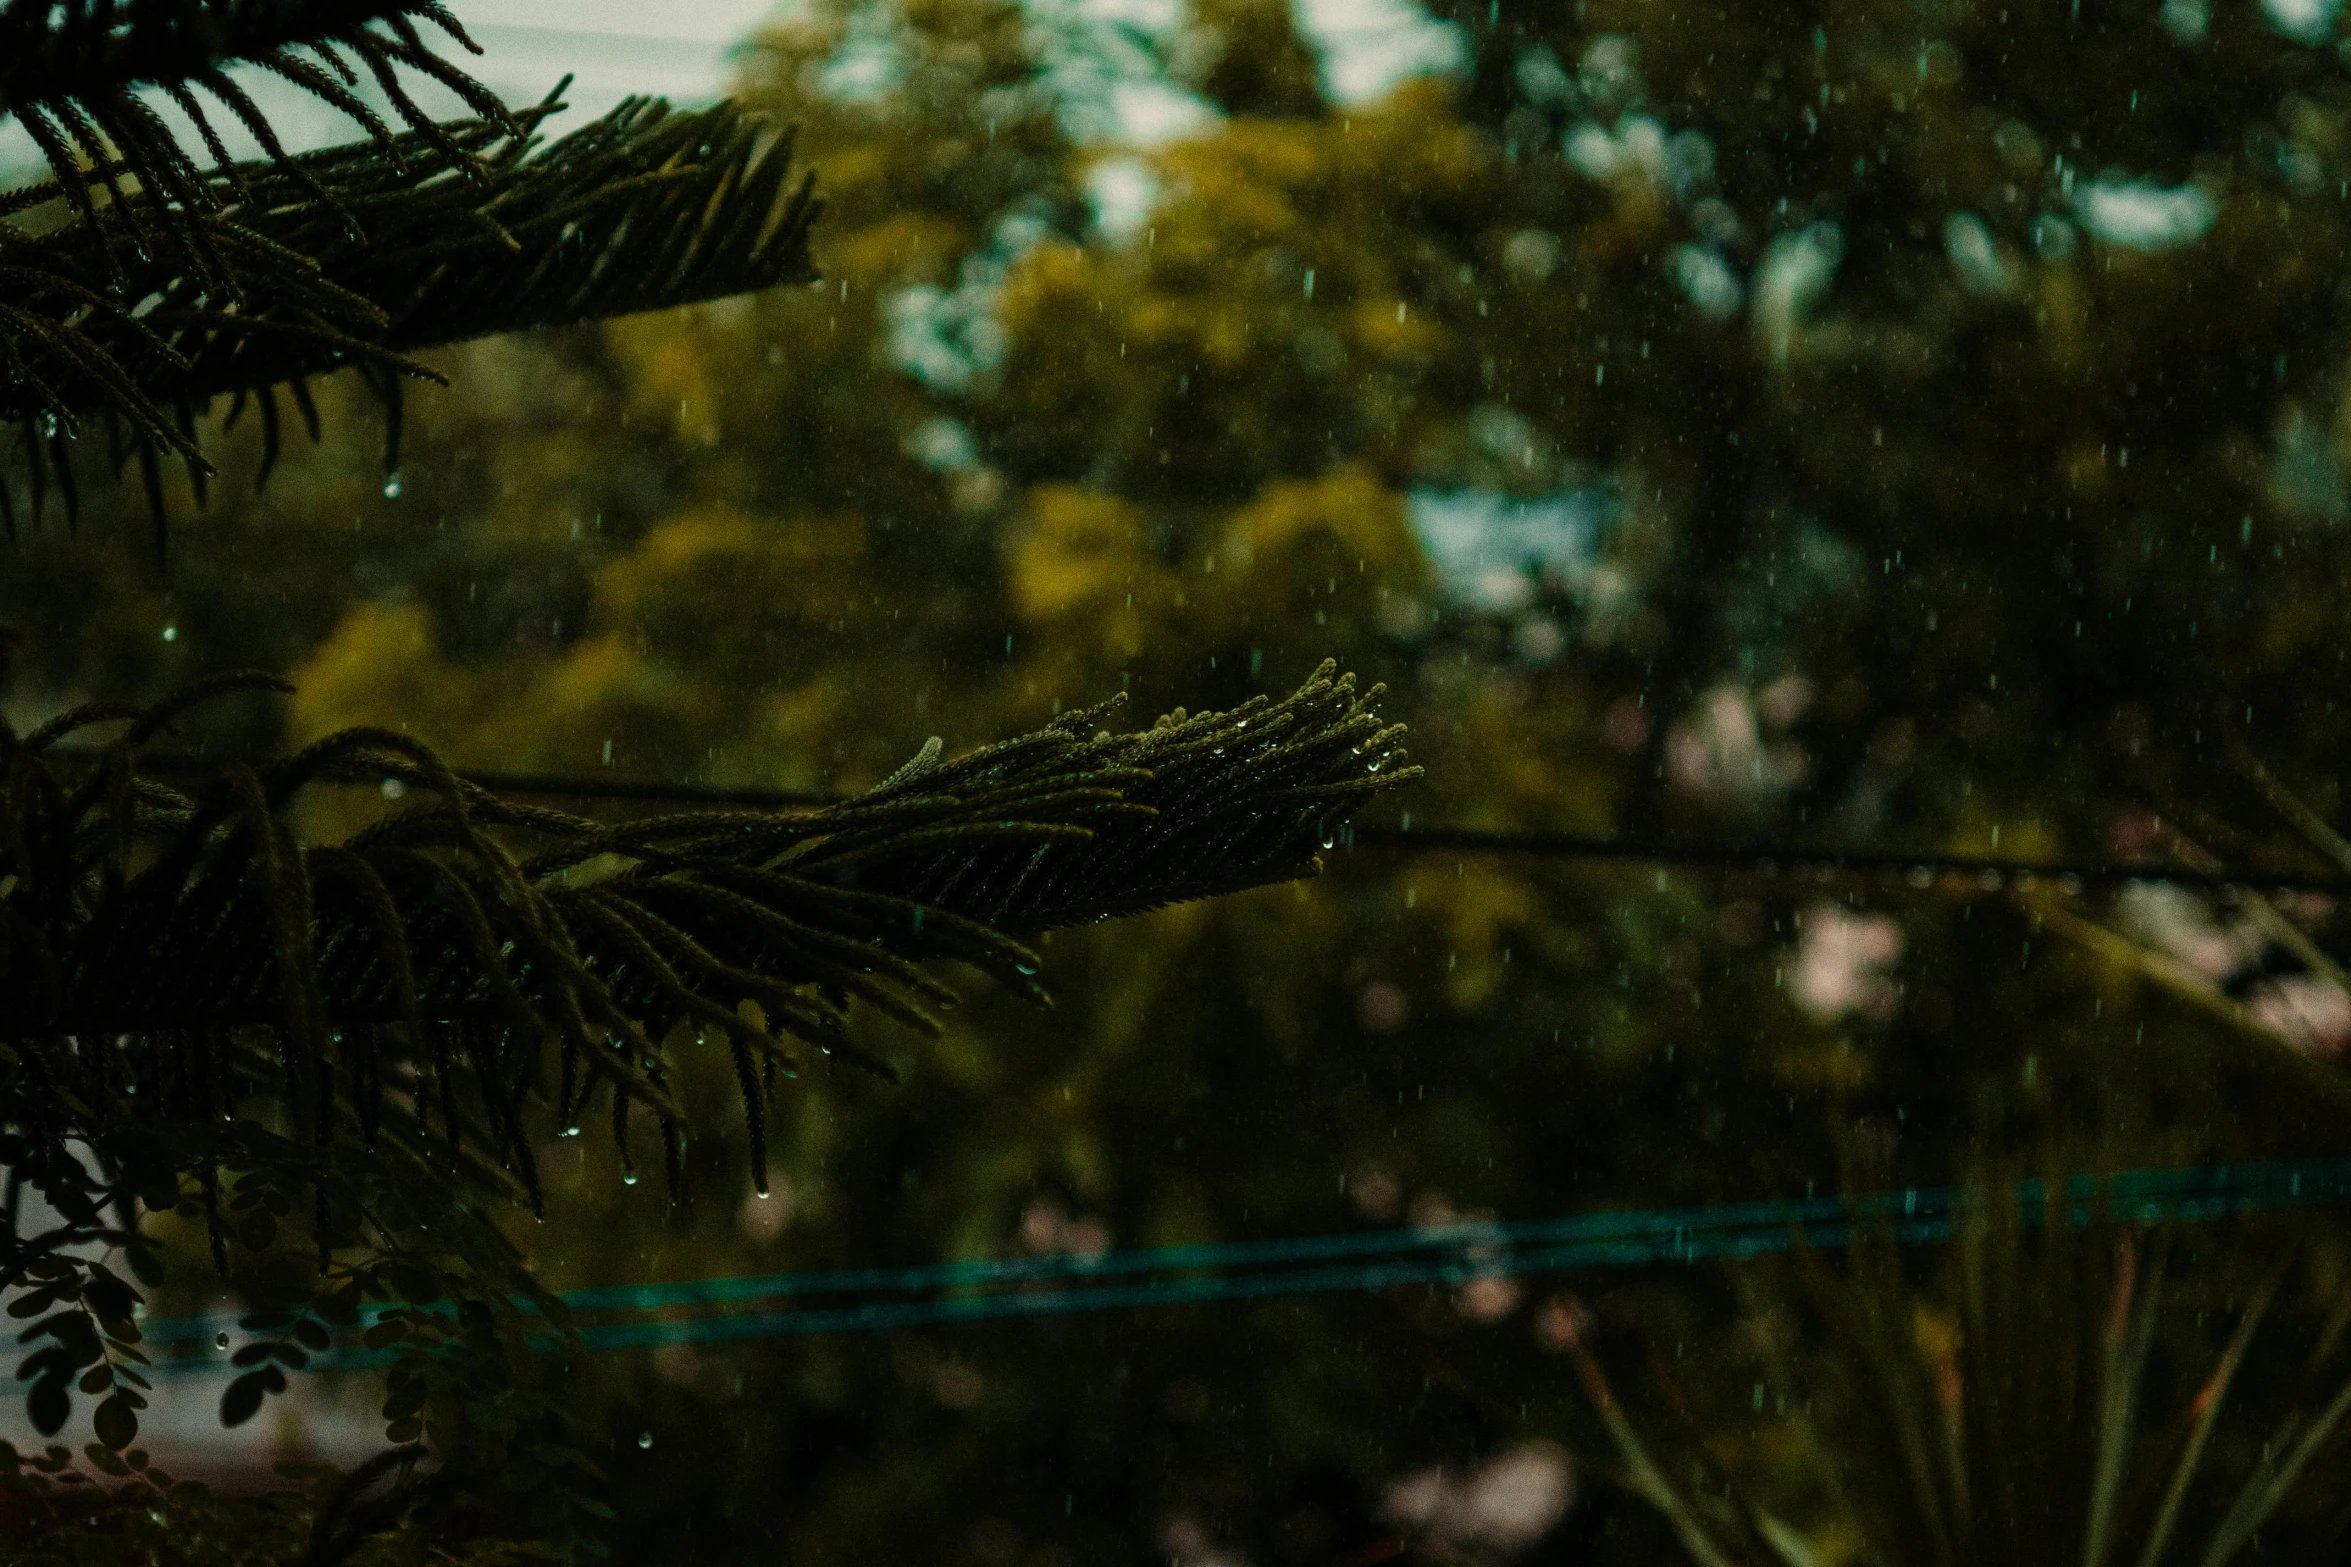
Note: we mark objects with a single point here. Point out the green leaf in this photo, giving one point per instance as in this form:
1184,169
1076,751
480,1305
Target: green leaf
242,1401
145,1257
111,1298
48,1405
50,1360
97,1379
73,1334
116,1423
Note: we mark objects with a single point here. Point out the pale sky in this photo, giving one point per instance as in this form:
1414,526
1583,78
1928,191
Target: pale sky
718,21
613,48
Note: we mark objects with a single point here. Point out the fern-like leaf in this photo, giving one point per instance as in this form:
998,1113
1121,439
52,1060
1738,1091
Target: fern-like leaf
470,234
484,965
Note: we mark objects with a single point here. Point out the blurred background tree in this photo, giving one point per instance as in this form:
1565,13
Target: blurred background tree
1905,427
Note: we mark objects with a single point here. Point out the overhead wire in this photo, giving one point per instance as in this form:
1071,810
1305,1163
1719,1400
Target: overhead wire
1766,857
1443,1256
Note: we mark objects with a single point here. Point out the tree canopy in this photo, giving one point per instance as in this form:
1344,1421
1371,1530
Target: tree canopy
1915,429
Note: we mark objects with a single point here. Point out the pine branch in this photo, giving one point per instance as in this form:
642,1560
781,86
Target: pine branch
358,257
71,72
1203,805
479,964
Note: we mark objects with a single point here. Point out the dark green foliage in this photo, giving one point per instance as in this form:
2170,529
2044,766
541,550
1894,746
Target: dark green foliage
643,209
382,1512
69,71
464,971
2046,1392
465,945
136,288
481,1359
334,1062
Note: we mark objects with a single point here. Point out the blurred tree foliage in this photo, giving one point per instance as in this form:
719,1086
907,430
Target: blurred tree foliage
1911,426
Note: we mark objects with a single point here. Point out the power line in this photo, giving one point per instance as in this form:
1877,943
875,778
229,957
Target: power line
1794,859
1769,858
1444,1256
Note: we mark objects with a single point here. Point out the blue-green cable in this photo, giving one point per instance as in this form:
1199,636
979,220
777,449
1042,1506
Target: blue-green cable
951,1293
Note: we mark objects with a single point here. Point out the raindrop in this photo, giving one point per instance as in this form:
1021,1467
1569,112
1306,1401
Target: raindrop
572,1130
629,1179
392,486
1023,968
644,1439
220,1341
171,633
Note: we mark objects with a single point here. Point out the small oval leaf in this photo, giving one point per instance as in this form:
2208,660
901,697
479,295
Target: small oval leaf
243,1398
116,1423
48,1404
